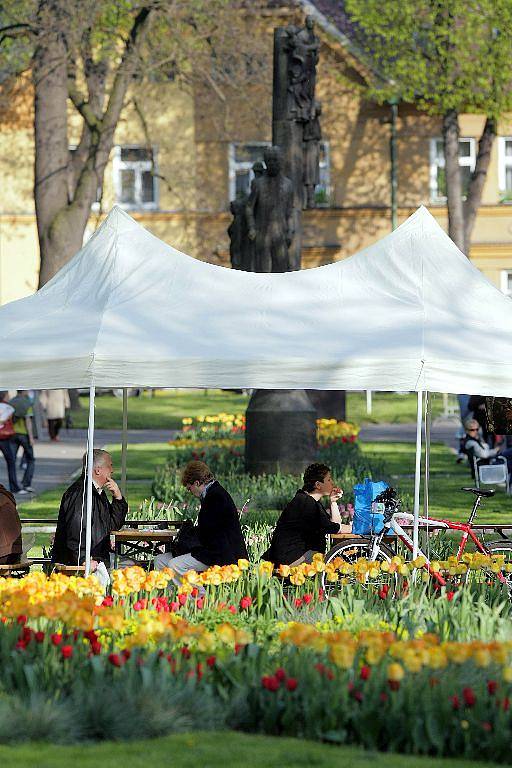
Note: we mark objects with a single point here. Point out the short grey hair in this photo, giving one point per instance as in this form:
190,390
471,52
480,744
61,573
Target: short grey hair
99,457
469,422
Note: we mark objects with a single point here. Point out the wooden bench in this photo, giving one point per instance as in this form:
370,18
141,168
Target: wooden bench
69,570
14,570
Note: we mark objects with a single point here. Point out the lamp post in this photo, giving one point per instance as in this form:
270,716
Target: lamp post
393,161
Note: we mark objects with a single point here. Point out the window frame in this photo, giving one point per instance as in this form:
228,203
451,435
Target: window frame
505,275
435,163
139,166
504,162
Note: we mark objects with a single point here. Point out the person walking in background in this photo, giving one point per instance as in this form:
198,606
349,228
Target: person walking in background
24,436
55,402
6,442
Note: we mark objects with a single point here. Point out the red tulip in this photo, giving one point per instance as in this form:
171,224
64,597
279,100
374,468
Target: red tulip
210,661
22,619
291,684
66,651
492,687
245,602
39,636
280,674
115,659
365,672
455,701
270,682
469,697
56,638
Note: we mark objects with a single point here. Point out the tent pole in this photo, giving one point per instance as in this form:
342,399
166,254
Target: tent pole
88,513
428,422
124,441
417,475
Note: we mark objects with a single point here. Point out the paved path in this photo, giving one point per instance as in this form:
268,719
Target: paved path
56,462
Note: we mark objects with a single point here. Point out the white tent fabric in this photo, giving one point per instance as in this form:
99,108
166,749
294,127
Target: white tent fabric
408,313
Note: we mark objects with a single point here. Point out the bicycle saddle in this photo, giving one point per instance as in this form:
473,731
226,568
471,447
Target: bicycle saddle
480,491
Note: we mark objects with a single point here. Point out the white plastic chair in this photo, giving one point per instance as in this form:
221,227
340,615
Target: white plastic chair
492,474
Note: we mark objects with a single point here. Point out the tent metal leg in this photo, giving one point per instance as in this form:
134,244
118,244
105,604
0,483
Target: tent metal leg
124,441
428,424
417,475
88,513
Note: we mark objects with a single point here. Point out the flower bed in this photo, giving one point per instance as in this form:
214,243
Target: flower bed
259,655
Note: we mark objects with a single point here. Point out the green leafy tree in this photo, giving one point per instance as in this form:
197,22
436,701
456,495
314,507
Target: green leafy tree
81,61
448,57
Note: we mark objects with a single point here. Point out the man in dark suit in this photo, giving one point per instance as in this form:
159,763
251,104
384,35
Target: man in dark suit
107,515
220,538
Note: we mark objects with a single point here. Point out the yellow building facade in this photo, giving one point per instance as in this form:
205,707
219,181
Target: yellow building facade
181,154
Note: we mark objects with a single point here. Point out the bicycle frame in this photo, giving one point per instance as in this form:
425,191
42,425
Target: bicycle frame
465,528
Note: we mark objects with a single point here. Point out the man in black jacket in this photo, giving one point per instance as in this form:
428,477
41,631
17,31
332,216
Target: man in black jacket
107,516
304,522
220,538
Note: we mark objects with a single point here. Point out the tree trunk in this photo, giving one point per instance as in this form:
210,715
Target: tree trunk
74,399
476,186
51,139
61,221
453,179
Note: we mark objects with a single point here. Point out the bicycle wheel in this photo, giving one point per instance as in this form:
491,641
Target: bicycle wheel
501,548
351,550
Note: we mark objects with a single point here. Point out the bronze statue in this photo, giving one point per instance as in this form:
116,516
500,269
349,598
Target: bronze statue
237,232
270,215
303,52
312,138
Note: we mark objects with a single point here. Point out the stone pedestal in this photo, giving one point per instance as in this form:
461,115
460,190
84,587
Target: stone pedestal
329,404
281,432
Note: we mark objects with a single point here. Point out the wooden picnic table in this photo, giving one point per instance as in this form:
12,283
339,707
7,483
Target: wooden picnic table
132,541
128,536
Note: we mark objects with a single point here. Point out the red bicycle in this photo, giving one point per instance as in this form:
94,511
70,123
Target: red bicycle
374,548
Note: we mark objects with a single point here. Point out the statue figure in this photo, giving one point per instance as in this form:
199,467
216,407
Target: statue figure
312,137
237,232
270,215
303,47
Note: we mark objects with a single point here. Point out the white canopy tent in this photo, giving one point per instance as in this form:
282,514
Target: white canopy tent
408,313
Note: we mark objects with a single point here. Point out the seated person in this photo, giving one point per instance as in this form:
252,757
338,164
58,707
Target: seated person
220,538
10,529
107,516
476,448
304,523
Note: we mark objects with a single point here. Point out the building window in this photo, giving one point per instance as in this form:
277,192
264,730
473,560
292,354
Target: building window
241,159
243,156
135,183
505,167
467,159
323,188
506,282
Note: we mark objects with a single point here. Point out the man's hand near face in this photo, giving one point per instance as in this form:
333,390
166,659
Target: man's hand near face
113,487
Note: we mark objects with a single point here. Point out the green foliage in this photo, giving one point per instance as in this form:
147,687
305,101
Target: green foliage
454,54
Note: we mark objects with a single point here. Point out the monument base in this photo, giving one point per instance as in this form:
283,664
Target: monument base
280,432
329,404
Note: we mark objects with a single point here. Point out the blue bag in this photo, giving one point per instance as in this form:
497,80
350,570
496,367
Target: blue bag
366,521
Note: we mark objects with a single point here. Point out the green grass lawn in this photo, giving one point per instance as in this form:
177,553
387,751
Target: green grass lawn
212,750
446,479
446,500
166,408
